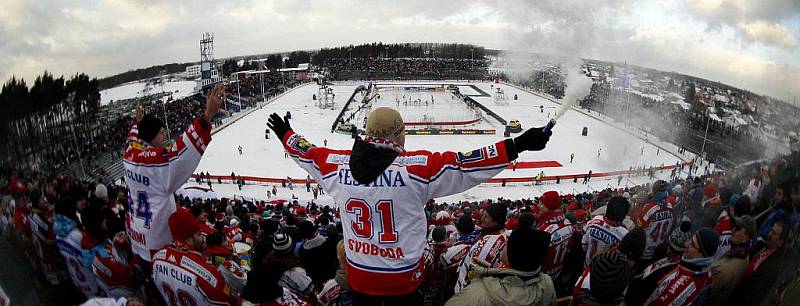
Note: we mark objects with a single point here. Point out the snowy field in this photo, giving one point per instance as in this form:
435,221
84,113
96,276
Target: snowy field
179,89
618,150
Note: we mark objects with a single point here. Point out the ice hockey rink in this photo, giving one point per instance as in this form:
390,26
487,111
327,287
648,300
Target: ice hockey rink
608,147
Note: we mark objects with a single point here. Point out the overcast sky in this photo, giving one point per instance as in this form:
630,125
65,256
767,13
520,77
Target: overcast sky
753,44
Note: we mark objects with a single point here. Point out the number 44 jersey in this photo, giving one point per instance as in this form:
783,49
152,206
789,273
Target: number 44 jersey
153,174
383,220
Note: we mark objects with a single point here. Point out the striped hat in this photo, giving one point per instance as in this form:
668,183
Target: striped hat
282,243
609,277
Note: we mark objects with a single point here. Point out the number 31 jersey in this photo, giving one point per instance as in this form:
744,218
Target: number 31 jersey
153,174
384,224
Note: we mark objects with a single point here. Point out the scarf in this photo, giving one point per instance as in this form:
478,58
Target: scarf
697,263
740,250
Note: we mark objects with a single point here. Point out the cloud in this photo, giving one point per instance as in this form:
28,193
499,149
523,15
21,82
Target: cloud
757,21
770,33
746,43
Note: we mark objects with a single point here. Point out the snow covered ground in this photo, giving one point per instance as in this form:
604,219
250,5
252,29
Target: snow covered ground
618,149
179,89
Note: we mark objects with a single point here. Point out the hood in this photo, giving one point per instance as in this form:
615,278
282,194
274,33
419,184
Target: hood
368,160
63,225
511,287
341,279
313,242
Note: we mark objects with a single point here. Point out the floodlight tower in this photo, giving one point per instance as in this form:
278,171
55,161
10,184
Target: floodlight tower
206,58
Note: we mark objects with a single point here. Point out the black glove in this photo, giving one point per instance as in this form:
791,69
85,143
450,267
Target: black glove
534,139
278,125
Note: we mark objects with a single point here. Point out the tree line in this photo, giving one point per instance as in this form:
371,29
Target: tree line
404,50
141,73
48,112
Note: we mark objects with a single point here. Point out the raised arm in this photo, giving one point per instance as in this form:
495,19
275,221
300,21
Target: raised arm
452,172
191,144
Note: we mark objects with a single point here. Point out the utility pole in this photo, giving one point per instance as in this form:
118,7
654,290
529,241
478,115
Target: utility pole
705,137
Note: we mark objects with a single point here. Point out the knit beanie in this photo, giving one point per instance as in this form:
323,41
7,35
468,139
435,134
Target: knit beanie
384,122
101,192
617,209
282,243
747,223
183,225
442,218
497,211
465,224
679,236
551,200
632,245
710,190
149,127
609,277
708,240
526,248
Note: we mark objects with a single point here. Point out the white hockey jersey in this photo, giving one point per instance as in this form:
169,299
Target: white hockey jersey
599,236
384,224
73,254
153,174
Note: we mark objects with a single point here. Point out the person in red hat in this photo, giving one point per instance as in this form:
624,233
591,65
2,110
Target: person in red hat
552,220
181,272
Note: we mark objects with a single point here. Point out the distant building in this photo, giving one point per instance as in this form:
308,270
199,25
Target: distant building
192,72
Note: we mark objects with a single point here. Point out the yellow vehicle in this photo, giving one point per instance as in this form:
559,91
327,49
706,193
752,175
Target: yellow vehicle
514,126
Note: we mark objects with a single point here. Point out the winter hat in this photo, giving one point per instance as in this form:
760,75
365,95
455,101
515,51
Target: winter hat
526,220
679,236
526,248
632,245
282,243
183,225
659,186
708,240
710,190
384,122
465,224
609,277
497,211
439,234
234,222
678,189
617,208
101,192
747,223
149,127
580,214
551,200
442,218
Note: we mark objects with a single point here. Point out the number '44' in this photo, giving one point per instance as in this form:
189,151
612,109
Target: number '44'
141,208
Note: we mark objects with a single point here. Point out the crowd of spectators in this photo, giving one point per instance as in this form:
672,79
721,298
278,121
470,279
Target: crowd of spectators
364,68
749,214
727,144
108,136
